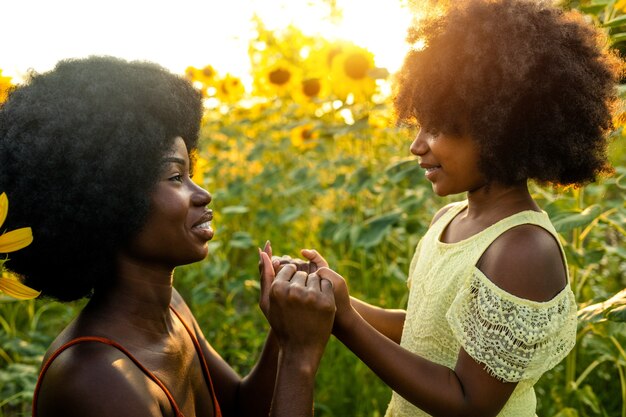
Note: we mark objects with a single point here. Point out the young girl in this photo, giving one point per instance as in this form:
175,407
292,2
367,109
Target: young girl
504,91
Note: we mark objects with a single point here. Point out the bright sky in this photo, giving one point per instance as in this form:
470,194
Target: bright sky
176,34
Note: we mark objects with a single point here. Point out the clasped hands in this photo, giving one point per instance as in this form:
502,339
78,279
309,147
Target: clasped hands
301,300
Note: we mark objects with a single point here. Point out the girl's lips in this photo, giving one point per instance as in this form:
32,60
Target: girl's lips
431,170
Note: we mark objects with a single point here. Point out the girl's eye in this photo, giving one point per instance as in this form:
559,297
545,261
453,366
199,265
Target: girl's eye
433,132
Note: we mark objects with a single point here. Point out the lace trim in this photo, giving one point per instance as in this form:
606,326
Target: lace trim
514,338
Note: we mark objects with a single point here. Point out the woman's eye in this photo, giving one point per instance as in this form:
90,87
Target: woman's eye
177,178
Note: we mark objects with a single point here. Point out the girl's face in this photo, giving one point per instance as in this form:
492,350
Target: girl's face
178,226
450,161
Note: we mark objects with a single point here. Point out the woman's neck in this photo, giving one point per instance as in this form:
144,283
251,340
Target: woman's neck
139,296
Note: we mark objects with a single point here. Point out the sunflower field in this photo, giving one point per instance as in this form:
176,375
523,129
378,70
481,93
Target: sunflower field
308,155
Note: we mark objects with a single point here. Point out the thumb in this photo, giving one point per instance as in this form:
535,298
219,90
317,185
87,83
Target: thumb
330,275
313,256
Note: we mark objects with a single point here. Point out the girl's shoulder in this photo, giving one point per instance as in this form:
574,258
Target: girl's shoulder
526,261
444,210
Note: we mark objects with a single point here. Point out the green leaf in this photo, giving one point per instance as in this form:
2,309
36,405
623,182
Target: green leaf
376,228
600,311
567,412
234,210
241,240
592,8
589,398
570,220
619,21
617,314
400,170
618,37
290,214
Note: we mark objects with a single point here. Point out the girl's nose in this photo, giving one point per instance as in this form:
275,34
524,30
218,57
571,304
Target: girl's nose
419,146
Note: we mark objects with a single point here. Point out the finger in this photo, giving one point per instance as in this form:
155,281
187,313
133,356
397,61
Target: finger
313,282
268,248
285,273
326,286
330,275
299,278
313,256
267,277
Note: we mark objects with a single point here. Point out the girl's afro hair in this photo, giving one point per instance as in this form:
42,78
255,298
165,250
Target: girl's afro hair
532,84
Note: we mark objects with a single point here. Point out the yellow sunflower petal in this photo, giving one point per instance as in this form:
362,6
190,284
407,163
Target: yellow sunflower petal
12,287
16,239
4,207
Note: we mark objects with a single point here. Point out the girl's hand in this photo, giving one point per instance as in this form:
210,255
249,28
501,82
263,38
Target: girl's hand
345,312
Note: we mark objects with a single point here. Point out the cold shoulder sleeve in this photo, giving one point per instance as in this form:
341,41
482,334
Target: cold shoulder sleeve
513,337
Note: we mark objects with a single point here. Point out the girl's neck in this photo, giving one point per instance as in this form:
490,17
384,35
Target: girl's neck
499,200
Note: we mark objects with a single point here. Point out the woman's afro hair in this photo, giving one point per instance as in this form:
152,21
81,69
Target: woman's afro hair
532,84
80,151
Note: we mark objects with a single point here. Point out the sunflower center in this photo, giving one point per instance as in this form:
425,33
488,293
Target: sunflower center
279,76
311,87
356,66
208,72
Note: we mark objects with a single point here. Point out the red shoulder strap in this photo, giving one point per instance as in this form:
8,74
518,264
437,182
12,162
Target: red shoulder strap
109,342
205,368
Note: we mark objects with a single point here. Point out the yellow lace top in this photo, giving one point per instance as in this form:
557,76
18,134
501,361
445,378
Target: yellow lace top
452,304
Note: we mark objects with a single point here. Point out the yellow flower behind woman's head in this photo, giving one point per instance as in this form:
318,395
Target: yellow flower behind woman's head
10,242
5,85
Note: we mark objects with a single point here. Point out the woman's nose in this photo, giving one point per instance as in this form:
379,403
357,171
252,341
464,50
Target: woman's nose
201,197
419,146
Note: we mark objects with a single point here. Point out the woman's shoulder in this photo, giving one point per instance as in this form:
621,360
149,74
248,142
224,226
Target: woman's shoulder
94,379
526,261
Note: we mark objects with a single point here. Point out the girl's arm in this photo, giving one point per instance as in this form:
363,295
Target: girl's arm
465,391
525,262
386,321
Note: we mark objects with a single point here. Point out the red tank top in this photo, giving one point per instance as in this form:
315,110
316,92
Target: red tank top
205,368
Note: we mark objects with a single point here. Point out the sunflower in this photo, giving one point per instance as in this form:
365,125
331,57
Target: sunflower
11,242
351,71
229,89
5,85
279,79
304,137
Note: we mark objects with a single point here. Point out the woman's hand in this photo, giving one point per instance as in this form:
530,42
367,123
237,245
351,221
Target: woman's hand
301,311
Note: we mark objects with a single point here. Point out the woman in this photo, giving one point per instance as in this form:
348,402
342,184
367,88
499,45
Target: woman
95,156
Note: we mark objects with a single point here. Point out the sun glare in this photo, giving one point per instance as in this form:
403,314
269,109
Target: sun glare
194,32
378,25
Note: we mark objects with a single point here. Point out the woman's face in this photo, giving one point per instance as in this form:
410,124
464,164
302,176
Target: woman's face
451,162
178,226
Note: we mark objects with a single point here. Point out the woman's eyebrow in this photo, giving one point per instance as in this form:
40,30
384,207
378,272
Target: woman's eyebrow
173,159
